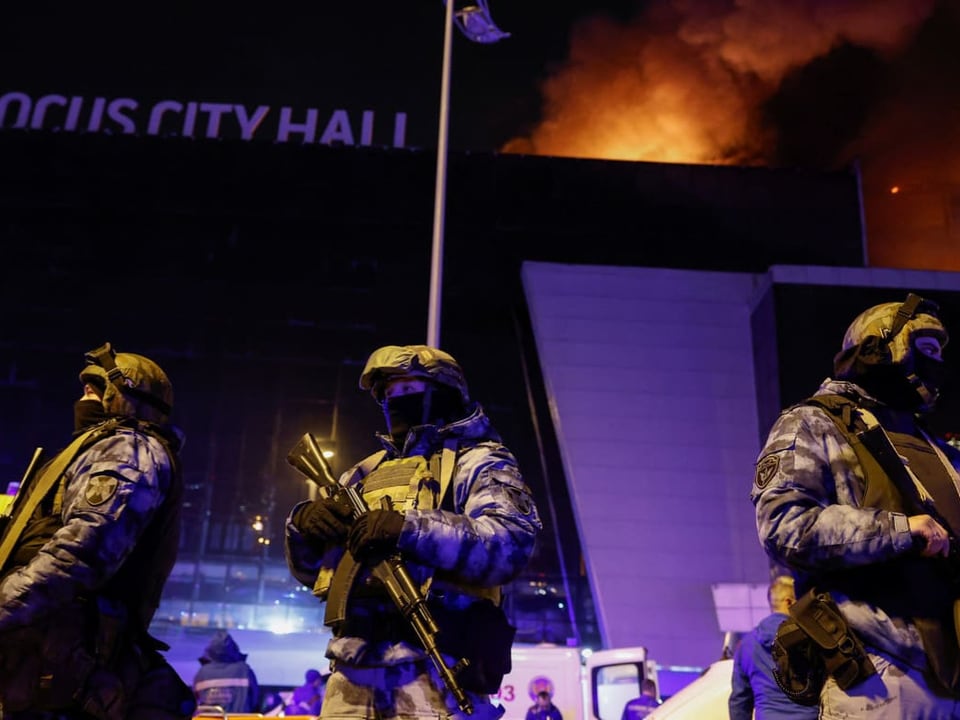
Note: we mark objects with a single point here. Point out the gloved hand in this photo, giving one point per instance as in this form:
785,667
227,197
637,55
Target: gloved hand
374,534
326,520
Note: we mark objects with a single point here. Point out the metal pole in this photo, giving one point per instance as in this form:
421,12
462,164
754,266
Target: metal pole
439,199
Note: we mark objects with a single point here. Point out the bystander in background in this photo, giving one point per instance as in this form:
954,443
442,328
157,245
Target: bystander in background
643,705
224,678
308,698
754,689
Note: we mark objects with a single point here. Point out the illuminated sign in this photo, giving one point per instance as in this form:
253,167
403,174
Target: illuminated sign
198,119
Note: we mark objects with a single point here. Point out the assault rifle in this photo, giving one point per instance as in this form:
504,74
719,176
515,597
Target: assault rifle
390,571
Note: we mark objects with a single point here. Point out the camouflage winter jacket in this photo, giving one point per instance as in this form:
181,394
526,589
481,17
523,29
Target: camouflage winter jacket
484,539
119,533
807,493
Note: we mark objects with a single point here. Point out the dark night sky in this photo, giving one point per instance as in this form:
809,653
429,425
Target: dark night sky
381,56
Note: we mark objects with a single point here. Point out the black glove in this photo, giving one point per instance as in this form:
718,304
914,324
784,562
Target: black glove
374,535
326,520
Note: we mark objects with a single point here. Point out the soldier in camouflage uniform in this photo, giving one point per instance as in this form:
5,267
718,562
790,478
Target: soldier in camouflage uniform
878,550
83,576
463,521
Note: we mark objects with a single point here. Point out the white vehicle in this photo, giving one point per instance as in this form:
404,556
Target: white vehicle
703,699
592,688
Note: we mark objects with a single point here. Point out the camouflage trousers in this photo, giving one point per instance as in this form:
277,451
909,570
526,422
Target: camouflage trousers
896,692
409,691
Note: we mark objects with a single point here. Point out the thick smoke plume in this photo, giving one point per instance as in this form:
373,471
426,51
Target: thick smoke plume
688,80
815,83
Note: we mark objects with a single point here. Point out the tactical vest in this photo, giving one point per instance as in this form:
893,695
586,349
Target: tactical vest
410,483
910,587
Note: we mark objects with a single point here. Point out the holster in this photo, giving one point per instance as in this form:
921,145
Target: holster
844,656
483,635
140,686
45,667
798,666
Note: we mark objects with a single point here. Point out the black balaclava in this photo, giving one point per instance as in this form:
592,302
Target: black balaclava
438,405
87,413
889,385
912,387
932,372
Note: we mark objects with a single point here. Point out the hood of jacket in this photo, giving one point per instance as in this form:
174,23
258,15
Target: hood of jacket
847,388
222,648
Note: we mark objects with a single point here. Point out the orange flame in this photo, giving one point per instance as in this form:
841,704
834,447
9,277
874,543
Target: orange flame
686,81
689,81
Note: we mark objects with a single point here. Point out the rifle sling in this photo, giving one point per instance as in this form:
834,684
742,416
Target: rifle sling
336,610
878,443
874,440
39,489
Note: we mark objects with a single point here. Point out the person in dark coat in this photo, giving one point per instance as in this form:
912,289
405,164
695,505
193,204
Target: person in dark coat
224,678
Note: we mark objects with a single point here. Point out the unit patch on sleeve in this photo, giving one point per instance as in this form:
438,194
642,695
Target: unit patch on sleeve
521,501
766,469
101,488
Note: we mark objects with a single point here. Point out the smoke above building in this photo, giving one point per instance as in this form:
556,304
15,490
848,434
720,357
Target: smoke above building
871,84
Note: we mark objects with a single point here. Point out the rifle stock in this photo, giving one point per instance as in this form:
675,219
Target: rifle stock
307,457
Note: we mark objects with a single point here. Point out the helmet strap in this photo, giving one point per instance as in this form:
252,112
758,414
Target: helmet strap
404,412
928,395
909,310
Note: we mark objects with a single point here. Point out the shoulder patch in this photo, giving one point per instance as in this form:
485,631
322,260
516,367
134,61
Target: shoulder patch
766,469
100,488
521,501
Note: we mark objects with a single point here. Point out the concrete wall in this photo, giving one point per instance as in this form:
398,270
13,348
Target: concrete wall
662,384
649,374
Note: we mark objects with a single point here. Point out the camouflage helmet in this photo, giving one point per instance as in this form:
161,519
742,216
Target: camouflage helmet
897,325
132,385
418,361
